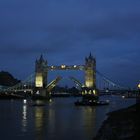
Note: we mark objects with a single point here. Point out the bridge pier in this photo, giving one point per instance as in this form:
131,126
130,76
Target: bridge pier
41,93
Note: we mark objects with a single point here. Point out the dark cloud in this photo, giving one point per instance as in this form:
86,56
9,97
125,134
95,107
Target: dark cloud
66,31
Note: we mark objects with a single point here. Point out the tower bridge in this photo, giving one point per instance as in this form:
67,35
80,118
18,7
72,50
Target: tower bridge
38,81
42,69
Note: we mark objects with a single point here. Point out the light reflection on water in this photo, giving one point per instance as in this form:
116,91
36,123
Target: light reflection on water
24,118
58,119
40,123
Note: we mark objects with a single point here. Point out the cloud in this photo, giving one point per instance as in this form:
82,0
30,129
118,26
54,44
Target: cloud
66,31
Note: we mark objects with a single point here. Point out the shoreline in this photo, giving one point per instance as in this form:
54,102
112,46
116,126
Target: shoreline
123,124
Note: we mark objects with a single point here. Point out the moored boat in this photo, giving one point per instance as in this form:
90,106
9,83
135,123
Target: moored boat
91,103
41,104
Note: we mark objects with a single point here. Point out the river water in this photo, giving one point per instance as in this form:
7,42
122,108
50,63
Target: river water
58,119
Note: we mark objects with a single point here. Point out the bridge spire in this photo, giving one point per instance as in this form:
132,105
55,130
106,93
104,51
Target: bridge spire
90,55
41,59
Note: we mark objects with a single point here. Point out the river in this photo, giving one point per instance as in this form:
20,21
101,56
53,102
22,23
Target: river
58,119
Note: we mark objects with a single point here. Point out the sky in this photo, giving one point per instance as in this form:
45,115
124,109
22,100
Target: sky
66,31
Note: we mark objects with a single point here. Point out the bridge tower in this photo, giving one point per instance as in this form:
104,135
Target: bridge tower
41,75
90,91
90,72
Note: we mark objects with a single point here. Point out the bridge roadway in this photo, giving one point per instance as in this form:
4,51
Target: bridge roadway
102,92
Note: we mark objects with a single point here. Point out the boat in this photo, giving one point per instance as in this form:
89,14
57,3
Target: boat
91,103
91,100
36,104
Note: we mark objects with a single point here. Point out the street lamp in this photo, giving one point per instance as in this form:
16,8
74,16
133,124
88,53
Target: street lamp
139,86
138,97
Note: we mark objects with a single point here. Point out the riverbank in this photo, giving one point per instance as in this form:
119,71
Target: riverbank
123,124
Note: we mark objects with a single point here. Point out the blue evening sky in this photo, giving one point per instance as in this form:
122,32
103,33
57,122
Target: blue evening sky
66,31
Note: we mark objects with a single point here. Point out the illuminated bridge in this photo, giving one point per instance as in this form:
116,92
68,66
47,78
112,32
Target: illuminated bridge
38,81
